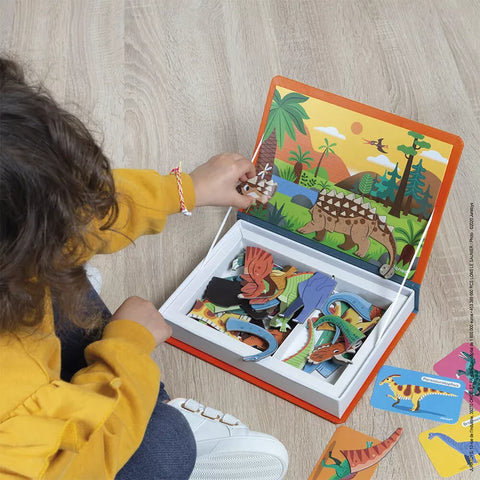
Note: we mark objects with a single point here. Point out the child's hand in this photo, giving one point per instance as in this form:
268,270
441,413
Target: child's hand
144,312
215,181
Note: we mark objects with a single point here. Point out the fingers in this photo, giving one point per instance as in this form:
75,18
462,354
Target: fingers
242,201
246,169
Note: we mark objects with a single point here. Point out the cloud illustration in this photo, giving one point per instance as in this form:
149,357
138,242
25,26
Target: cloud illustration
434,155
330,131
382,160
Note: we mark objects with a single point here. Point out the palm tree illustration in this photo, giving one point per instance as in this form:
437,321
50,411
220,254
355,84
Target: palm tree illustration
327,149
300,158
286,115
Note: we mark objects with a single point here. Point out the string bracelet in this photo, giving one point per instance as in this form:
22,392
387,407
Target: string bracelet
176,171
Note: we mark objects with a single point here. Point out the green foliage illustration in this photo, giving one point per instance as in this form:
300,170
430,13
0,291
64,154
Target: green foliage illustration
327,149
410,152
366,183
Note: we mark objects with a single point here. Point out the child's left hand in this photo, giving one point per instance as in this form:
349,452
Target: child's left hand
215,181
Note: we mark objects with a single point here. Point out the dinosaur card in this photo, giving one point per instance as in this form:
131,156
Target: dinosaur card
352,454
454,448
418,394
461,364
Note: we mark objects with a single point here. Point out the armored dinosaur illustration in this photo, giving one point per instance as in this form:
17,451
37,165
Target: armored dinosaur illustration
358,460
414,393
471,373
356,219
467,449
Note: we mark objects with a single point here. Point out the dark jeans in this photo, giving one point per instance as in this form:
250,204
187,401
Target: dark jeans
168,450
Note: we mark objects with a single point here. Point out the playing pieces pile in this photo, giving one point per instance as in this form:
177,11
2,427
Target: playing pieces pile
261,302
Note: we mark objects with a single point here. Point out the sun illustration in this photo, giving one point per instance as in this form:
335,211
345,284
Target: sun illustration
357,128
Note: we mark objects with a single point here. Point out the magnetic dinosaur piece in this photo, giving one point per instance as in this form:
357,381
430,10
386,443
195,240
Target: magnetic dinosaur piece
238,326
299,358
256,315
351,334
201,312
265,306
223,292
357,220
255,342
281,323
365,458
261,187
359,304
312,294
468,449
291,289
343,310
279,336
292,308
471,373
219,309
269,293
354,319
258,265
414,393
239,261
327,351
277,281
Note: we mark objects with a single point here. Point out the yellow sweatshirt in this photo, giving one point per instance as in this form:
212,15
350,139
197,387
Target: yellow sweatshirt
86,429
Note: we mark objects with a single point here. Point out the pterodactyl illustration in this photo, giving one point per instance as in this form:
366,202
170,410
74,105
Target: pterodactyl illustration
377,143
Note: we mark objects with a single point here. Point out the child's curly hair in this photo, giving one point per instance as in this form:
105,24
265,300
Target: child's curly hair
54,181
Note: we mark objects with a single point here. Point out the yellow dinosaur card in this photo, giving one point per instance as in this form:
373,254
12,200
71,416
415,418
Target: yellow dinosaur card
350,453
454,448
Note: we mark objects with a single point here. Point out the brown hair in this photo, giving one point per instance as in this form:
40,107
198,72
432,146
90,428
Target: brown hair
54,181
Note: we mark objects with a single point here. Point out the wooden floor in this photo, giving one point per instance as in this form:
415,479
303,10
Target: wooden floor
168,81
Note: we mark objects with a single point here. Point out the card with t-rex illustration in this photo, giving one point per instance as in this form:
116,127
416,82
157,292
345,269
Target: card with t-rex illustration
454,448
418,394
351,454
463,363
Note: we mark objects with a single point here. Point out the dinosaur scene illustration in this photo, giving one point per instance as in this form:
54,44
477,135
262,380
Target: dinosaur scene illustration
418,394
454,448
349,181
351,454
463,363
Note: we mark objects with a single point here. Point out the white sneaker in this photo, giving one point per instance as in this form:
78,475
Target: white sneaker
227,449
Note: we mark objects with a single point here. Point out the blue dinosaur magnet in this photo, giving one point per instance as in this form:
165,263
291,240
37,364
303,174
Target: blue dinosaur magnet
359,304
236,325
312,294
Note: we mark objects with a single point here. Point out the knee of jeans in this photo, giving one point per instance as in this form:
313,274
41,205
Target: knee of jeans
178,441
168,450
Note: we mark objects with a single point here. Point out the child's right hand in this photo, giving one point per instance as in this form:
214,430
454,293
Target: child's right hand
144,312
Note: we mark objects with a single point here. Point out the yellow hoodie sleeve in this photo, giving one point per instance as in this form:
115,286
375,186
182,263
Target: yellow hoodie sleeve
145,200
89,428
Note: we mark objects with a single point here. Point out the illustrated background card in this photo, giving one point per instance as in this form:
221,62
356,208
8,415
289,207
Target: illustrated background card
329,165
463,360
418,394
349,452
451,448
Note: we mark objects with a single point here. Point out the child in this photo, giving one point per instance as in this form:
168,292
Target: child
81,398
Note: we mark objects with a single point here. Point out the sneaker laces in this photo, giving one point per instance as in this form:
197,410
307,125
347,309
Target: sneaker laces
209,412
